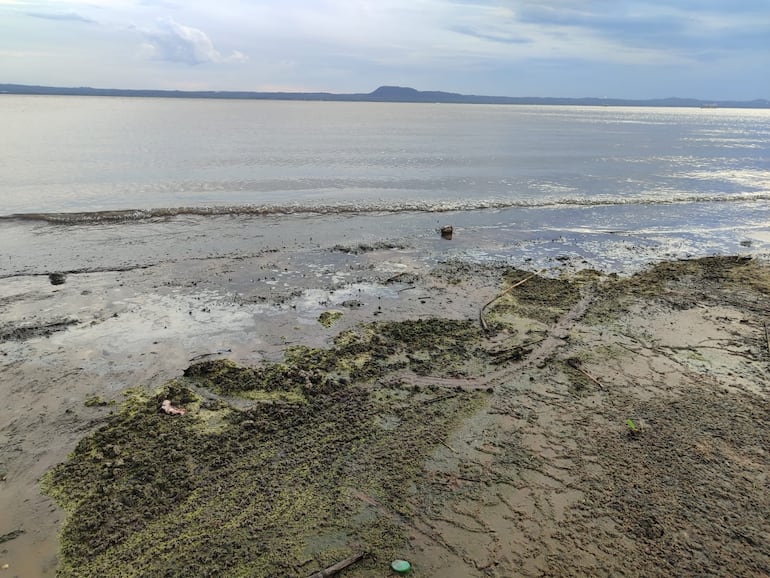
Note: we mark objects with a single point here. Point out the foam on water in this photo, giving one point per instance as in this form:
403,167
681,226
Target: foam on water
758,180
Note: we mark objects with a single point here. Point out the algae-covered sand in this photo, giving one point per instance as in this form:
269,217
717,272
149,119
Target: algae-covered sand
600,426
272,471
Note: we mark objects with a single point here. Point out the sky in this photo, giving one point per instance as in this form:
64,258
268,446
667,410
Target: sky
708,49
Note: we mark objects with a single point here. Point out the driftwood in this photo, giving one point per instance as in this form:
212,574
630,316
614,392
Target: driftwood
202,355
339,566
767,338
576,364
439,398
484,325
11,535
514,353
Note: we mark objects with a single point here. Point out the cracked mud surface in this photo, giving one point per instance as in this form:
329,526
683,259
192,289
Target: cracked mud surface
520,458
564,487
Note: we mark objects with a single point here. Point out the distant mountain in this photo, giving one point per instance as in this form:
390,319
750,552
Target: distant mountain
382,94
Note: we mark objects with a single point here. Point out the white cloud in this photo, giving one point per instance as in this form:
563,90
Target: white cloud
174,42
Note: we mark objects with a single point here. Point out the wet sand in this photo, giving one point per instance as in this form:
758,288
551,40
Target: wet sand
107,329
621,427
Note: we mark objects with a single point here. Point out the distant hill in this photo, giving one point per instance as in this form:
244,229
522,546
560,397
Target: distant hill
381,94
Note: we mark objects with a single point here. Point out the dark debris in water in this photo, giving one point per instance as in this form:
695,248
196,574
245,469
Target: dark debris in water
24,332
368,248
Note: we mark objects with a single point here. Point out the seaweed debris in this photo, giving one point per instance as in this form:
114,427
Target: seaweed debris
329,318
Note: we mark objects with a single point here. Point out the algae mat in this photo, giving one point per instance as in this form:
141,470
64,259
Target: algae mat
277,470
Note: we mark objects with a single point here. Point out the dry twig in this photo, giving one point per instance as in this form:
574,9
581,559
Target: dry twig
484,325
515,352
576,364
767,337
339,566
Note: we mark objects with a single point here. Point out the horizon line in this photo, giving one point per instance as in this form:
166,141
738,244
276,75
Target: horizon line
384,93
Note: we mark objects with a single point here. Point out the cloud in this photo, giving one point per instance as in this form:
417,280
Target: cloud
501,37
70,16
686,27
174,42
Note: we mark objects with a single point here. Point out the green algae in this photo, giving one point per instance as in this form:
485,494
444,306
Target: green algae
97,401
279,484
677,284
539,298
329,318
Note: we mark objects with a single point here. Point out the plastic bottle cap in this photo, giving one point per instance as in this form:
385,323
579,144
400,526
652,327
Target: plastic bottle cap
401,566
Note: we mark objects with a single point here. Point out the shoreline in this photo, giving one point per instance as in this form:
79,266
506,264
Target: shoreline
144,326
611,238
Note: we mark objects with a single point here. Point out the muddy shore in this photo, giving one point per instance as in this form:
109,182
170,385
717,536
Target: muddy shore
593,424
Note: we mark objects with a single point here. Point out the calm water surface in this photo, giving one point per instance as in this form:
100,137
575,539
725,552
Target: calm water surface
65,154
181,177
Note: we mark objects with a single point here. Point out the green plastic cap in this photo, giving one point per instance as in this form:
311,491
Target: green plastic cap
401,566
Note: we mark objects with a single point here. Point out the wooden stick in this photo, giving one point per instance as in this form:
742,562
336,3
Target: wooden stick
484,325
339,566
439,398
575,363
510,350
767,338
11,535
591,377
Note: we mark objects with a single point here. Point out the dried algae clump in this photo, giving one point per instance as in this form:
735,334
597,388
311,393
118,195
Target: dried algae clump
263,489
329,318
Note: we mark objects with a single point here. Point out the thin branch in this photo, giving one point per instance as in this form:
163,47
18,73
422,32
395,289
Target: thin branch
339,566
515,352
767,337
576,364
484,325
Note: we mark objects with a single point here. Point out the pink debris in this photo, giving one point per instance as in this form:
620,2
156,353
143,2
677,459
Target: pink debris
170,409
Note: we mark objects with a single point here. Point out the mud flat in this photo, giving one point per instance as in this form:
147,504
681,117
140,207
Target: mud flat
583,425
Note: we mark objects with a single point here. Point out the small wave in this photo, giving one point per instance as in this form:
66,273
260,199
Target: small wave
135,215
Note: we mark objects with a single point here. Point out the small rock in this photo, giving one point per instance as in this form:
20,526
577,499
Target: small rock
446,232
57,278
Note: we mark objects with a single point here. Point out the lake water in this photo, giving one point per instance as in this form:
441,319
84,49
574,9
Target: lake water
509,175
